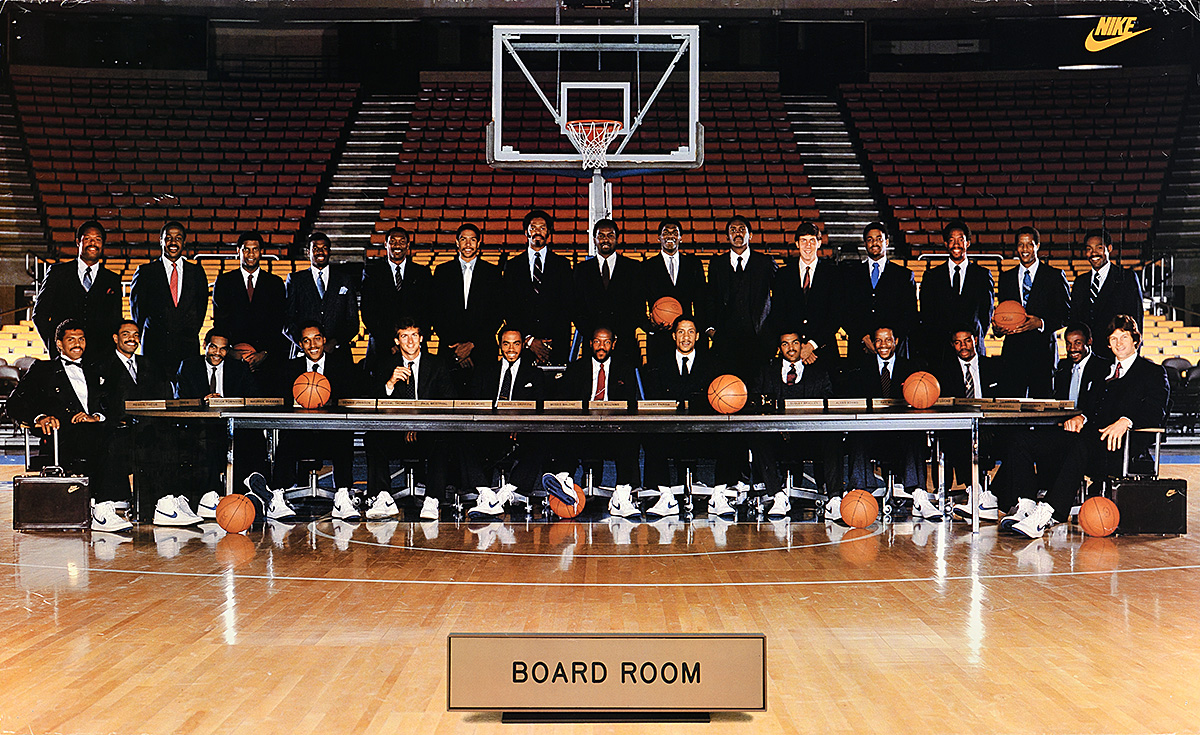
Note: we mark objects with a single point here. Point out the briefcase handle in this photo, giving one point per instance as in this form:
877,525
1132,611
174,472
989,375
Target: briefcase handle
50,470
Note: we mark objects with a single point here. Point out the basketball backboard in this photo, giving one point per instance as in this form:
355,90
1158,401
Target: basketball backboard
645,77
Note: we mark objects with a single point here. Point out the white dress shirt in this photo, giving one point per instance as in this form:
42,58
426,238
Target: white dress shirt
81,268
167,265
416,366
962,273
973,366
1103,277
691,358
607,378
78,382
318,366
324,273
208,371
505,366
468,272
671,263
532,254
1077,377
733,259
252,276
787,367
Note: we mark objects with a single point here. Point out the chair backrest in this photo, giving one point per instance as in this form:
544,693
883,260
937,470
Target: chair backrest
1177,366
23,363
1193,377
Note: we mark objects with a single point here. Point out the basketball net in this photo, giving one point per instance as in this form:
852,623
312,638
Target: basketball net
592,138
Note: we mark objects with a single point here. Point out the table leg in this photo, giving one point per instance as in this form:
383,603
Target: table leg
973,491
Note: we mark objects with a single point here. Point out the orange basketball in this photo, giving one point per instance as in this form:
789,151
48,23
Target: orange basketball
242,350
562,510
311,390
666,310
235,550
727,394
235,513
1009,314
859,509
1099,516
921,389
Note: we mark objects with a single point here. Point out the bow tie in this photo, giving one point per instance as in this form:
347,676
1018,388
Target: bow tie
76,363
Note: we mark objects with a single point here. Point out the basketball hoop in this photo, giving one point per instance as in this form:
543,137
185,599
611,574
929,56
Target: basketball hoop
592,138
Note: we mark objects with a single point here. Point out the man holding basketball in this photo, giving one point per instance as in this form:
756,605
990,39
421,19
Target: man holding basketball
1030,351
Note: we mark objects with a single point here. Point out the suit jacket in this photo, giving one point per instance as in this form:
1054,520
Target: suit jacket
663,381
383,304
941,308
1140,395
816,314
813,382
546,314
47,390
61,296
689,290
170,332
337,312
619,307
345,378
528,384
1030,357
1121,294
739,305
152,384
865,380
259,322
433,378
191,380
991,378
892,303
1094,373
620,381
479,319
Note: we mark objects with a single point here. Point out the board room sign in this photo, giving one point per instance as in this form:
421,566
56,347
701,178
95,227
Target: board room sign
598,673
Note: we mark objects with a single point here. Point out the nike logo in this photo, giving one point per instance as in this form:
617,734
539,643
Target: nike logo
1111,31
171,515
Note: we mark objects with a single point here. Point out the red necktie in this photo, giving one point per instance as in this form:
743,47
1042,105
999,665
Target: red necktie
599,385
175,283
250,287
807,278
1116,374
791,376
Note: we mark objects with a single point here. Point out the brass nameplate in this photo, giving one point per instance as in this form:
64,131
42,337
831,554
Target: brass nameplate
473,405
408,403
223,402
607,673
846,404
563,405
516,405
804,404
887,403
657,406
608,405
262,402
145,405
185,403
362,403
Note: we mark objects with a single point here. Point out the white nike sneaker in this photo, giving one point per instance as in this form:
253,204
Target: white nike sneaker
207,507
105,518
718,503
781,505
279,509
923,507
383,506
1036,523
383,530
833,509
666,527
622,504
989,507
430,509
667,505
507,495
105,545
1024,507
170,541
485,534
168,513
343,506
487,504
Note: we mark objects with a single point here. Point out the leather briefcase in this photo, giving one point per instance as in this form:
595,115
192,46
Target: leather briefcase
1151,506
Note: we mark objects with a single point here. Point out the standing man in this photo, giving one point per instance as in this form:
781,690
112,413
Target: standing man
808,295
608,291
249,305
878,292
672,272
1030,350
168,300
1104,291
955,293
739,301
538,293
466,312
394,287
326,294
81,289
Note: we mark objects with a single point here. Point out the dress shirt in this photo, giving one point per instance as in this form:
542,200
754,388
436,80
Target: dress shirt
468,272
505,366
220,368
132,369
1077,377
607,377
1103,277
973,365
253,276
533,254
81,268
415,365
167,265
324,274
691,356
671,261
733,259
962,273
316,367
78,381
787,367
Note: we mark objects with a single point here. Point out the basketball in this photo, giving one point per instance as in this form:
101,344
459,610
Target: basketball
242,350
311,390
727,394
666,310
859,509
235,550
235,513
1009,314
1099,516
562,510
921,389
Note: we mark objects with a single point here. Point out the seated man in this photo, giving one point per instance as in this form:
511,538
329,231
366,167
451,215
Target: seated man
1083,369
778,380
967,374
407,373
61,395
1134,396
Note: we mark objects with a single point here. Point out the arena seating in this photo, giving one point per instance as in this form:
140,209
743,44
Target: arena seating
135,152
1064,154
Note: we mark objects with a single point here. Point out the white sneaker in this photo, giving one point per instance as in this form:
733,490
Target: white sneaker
207,507
383,530
781,505
429,529
487,504
343,531
430,509
279,509
989,507
383,506
900,492
105,518
718,504
782,526
105,545
343,506
182,502
507,495
622,504
1036,523
561,486
667,505
168,513
923,507
1024,507
833,509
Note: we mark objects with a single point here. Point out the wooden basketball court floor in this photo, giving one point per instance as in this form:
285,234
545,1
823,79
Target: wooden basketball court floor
914,628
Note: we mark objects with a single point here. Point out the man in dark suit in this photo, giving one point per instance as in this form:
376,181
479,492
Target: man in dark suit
466,313
672,272
1133,396
608,291
62,395
808,295
412,374
954,293
211,375
1104,291
739,302
1078,375
538,293
878,292
393,287
168,300
82,289
250,306
1030,351
326,294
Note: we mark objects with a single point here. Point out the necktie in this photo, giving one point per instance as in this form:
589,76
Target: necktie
1026,285
1095,286
409,389
1116,373
741,267
885,381
506,384
683,371
175,283
1076,375
320,285
874,275
212,380
314,367
957,284
599,384
968,382
132,369
537,273
250,287
605,273
399,279
87,278
791,375
671,269
807,277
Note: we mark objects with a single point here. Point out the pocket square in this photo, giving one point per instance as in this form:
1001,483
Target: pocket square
343,290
